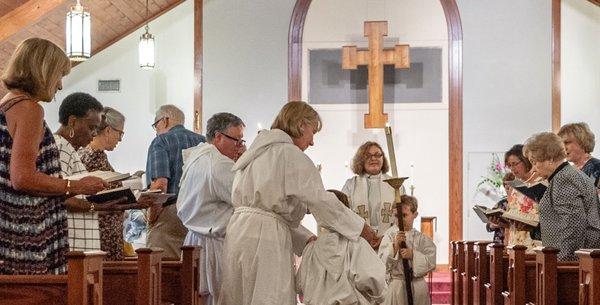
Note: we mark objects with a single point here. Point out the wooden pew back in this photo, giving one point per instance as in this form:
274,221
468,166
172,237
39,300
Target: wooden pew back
459,267
520,277
81,286
179,283
468,272
481,272
497,277
589,276
128,283
556,282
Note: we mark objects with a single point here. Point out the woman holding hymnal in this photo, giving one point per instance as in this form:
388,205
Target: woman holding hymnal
519,233
497,224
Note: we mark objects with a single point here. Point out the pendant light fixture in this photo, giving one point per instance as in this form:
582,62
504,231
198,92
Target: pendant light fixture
146,47
78,33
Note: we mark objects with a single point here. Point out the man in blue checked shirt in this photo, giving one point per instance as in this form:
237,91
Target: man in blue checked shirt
163,171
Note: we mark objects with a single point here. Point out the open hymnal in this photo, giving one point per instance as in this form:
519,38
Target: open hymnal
132,195
528,219
104,175
486,213
534,191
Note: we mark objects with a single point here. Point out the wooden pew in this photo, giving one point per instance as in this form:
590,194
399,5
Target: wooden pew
132,283
556,282
458,267
81,286
520,278
481,272
179,282
467,274
497,277
589,276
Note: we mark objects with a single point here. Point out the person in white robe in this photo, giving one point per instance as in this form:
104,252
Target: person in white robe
204,202
370,197
338,271
420,252
275,183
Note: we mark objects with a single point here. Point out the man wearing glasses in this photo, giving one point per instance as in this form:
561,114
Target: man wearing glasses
204,204
163,171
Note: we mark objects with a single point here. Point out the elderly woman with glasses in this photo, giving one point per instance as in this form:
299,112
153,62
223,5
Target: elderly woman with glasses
569,209
370,197
94,158
518,233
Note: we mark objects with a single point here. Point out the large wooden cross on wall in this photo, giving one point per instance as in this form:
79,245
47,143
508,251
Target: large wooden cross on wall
375,58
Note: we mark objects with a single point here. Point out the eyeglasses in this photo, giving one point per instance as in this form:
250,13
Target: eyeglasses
120,132
511,165
376,156
239,142
158,121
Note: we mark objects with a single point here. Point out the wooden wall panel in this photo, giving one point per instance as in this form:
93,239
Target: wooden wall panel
556,12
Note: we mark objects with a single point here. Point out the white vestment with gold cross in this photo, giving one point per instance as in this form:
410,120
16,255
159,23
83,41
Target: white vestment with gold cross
372,199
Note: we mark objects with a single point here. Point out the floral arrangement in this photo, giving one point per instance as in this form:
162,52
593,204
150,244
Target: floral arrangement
491,184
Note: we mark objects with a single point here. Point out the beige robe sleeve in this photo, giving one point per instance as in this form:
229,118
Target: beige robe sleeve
367,272
302,181
424,253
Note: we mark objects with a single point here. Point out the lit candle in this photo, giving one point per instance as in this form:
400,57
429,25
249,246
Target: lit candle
390,145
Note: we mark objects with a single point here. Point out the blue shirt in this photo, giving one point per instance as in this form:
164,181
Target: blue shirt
592,169
164,155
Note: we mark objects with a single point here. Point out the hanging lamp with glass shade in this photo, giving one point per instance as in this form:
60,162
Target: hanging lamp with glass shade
146,47
78,33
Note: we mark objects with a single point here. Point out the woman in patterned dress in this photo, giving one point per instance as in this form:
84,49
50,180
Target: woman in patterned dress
94,158
32,210
569,209
517,233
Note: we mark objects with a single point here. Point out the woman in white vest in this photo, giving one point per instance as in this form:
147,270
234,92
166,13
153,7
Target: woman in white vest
370,197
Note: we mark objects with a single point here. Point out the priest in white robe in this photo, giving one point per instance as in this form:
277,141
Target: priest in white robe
335,270
204,202
370,197
420,252
274,185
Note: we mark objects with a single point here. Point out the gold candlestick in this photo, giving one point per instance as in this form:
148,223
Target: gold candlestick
390,145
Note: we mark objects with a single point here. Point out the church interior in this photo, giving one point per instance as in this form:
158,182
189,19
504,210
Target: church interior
462,100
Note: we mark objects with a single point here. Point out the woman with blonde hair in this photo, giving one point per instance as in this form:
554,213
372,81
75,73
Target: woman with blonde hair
274,185
579,143
32,194
569,209
370,197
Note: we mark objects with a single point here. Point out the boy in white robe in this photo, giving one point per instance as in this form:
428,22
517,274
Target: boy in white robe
204,202
420,253
337,271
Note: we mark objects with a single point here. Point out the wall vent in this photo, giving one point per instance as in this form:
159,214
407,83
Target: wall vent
109,85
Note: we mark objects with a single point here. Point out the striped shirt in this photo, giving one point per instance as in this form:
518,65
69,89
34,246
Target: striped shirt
84,231
164,155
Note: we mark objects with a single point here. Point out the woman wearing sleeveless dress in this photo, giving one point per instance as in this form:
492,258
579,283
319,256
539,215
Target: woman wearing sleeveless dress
33,216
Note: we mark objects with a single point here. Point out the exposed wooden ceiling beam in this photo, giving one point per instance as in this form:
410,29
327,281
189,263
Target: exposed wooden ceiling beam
25,15
132,29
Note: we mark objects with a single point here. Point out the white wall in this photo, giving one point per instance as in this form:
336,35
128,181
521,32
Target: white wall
506,82
420,130
580,64
142,91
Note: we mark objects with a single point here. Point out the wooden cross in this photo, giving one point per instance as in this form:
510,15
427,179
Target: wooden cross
375,58
362,212
386,212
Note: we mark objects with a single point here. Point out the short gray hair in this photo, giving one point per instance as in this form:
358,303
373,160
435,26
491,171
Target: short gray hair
172,112
113,118
219,122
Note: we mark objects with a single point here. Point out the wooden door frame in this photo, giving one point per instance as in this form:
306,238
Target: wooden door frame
455,108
